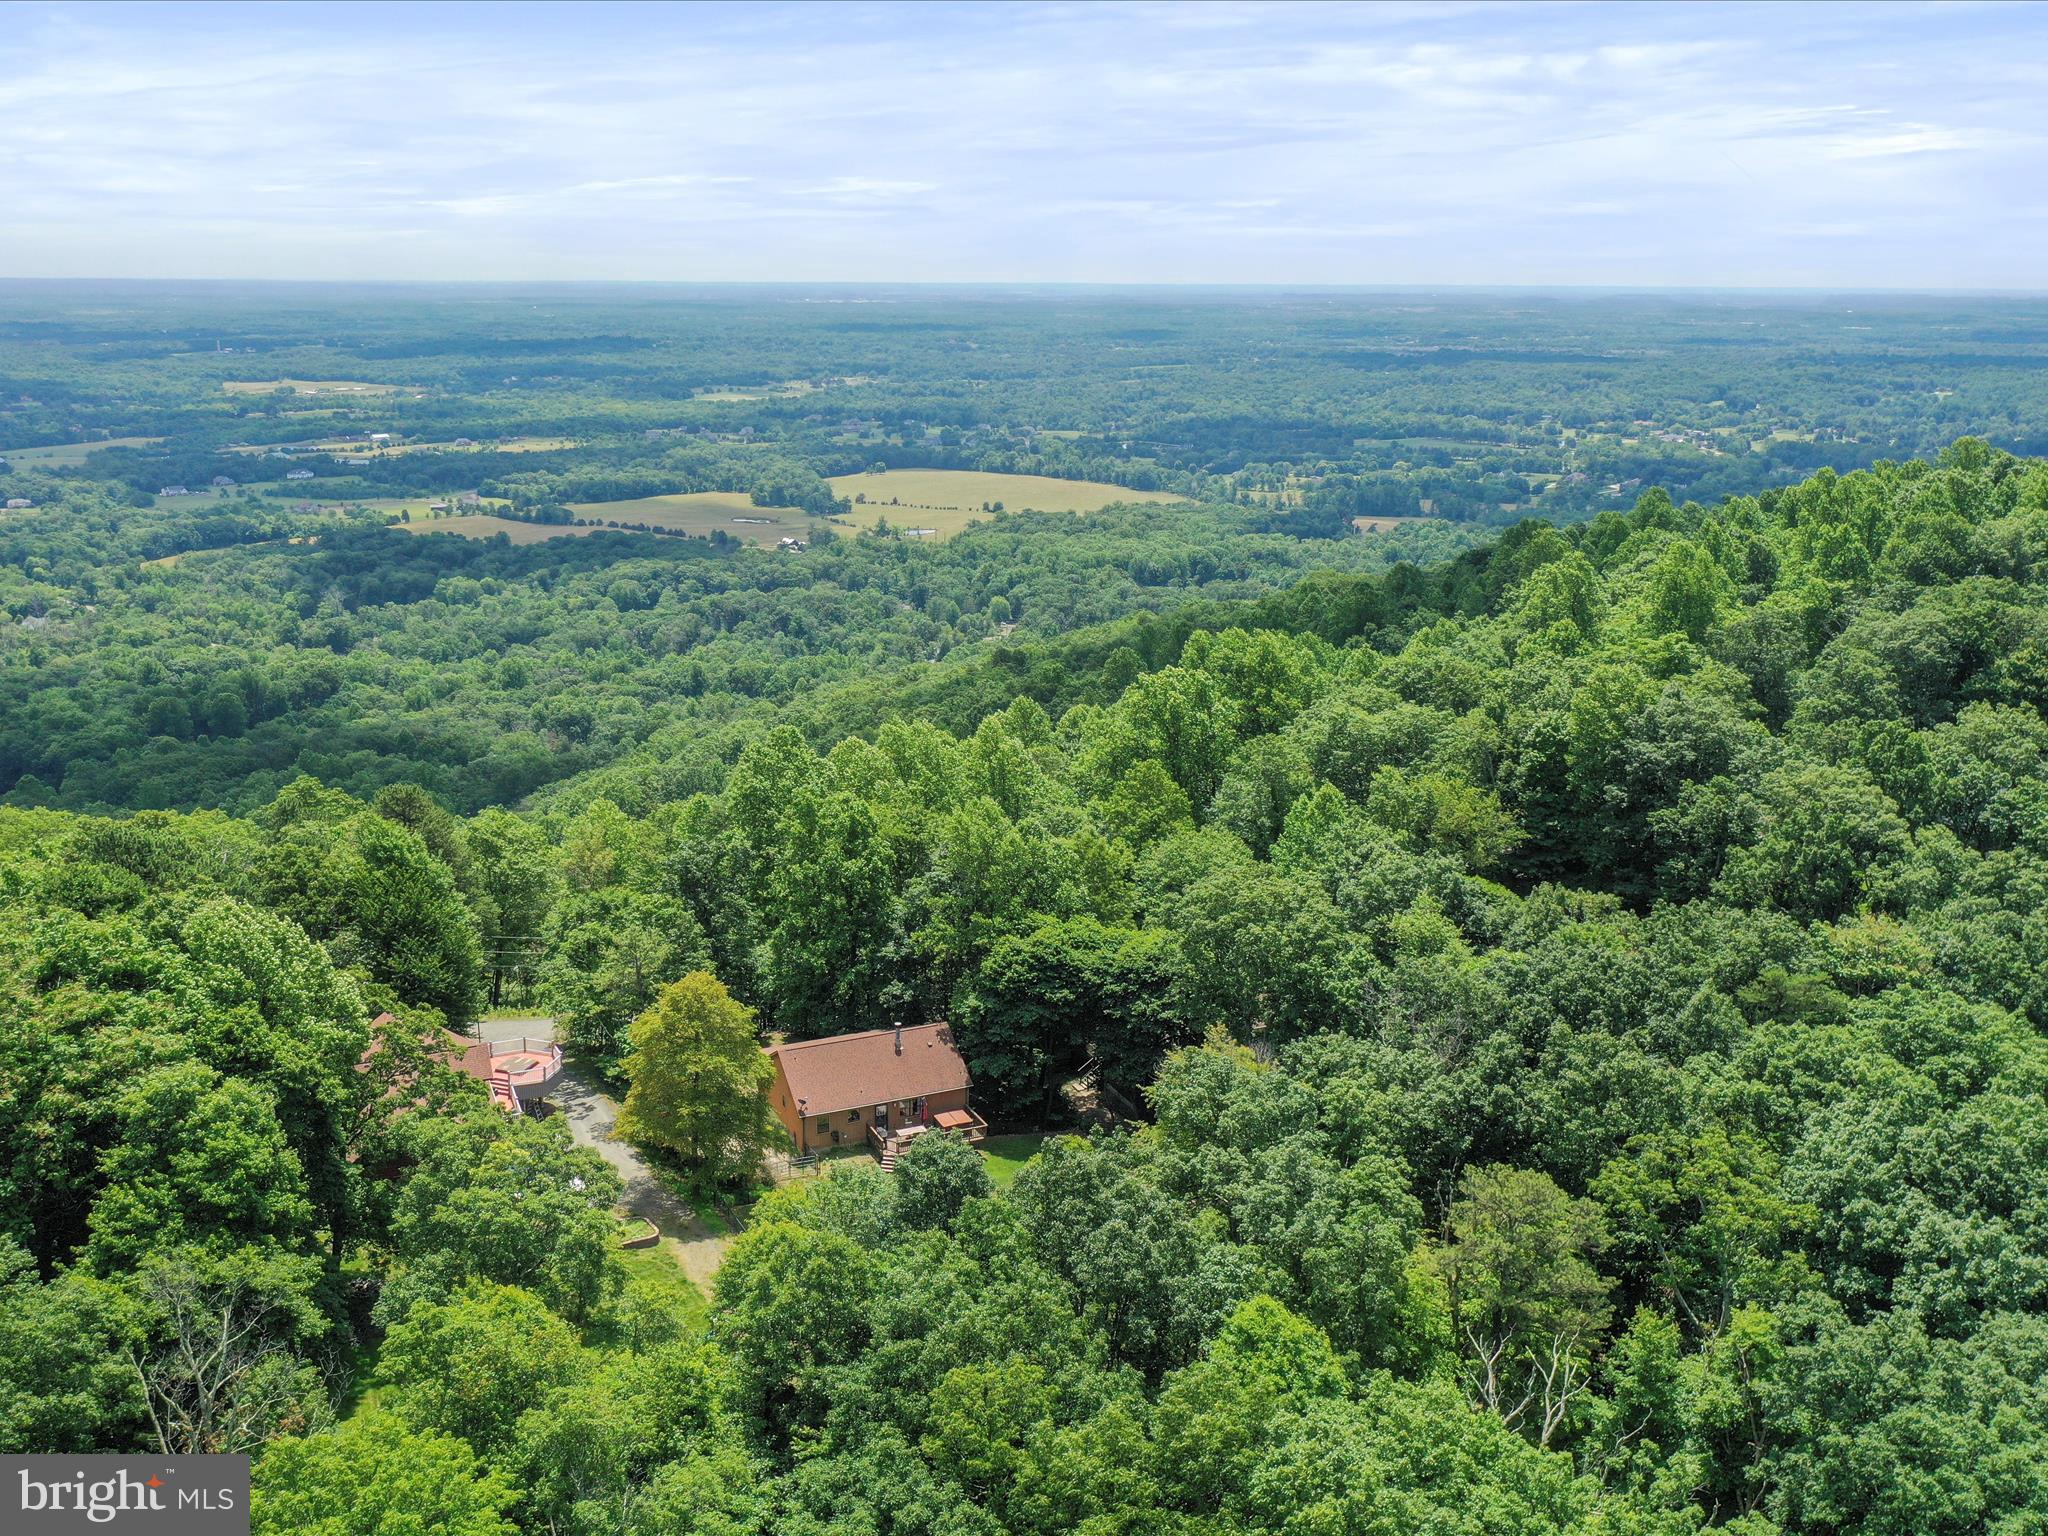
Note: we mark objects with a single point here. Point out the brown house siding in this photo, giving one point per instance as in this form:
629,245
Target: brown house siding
848,1127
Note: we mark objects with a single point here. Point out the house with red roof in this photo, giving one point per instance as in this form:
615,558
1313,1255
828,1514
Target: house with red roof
516,1070
880,1088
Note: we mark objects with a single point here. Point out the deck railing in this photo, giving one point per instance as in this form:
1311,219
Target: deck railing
891,1140
506,1083
529,1045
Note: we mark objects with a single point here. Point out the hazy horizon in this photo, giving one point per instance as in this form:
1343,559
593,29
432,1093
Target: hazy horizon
1275,286
1789,148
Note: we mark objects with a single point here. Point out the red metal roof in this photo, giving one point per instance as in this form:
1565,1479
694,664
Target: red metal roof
855,1071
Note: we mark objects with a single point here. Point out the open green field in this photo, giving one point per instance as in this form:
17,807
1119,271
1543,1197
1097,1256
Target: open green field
339,446
702,512
166,561
68,455
482,525
480,445
421,507
510,445
785,391
788,389
947,500
308,387
490,445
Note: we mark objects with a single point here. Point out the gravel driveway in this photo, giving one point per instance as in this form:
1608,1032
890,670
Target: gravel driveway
590,1113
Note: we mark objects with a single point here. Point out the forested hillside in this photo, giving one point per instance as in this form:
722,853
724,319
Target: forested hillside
1584,998
483,671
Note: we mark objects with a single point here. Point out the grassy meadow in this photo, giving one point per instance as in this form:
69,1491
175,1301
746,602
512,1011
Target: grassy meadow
947,500
69,455
702,512
484,525
308,387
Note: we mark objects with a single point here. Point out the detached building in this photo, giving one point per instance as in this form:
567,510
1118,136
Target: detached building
879,1088
516,1071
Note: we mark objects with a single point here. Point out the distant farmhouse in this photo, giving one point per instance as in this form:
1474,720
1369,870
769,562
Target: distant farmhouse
173,490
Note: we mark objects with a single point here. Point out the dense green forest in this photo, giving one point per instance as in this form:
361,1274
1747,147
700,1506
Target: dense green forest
204,649
1582,990
483,671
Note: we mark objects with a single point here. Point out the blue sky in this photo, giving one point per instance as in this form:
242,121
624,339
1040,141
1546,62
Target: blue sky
1894,145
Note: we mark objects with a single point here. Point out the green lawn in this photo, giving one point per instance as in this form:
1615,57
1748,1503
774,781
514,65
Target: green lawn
1007,1155
656,1282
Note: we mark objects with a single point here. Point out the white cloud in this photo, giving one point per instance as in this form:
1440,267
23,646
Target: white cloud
1288,142
1906,139
867,187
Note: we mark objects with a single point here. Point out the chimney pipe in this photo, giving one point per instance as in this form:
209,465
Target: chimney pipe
899,1037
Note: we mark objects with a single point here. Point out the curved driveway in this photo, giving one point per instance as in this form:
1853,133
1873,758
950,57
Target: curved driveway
591,1113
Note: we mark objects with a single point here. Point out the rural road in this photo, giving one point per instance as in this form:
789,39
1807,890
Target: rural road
590,1113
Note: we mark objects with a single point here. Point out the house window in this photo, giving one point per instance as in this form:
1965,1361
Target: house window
824,1126
853,1114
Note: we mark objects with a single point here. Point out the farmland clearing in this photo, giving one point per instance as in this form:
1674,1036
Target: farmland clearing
309,387
947,500
704,512
483,525
69,455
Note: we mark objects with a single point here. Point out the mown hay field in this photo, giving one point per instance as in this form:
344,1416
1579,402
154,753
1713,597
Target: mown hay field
309,387
944,501
482,525
703,512
68,455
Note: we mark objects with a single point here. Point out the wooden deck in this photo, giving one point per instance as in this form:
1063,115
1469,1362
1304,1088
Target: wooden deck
888,1145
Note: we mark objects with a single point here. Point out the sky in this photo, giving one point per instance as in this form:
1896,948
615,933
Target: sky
1782,145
